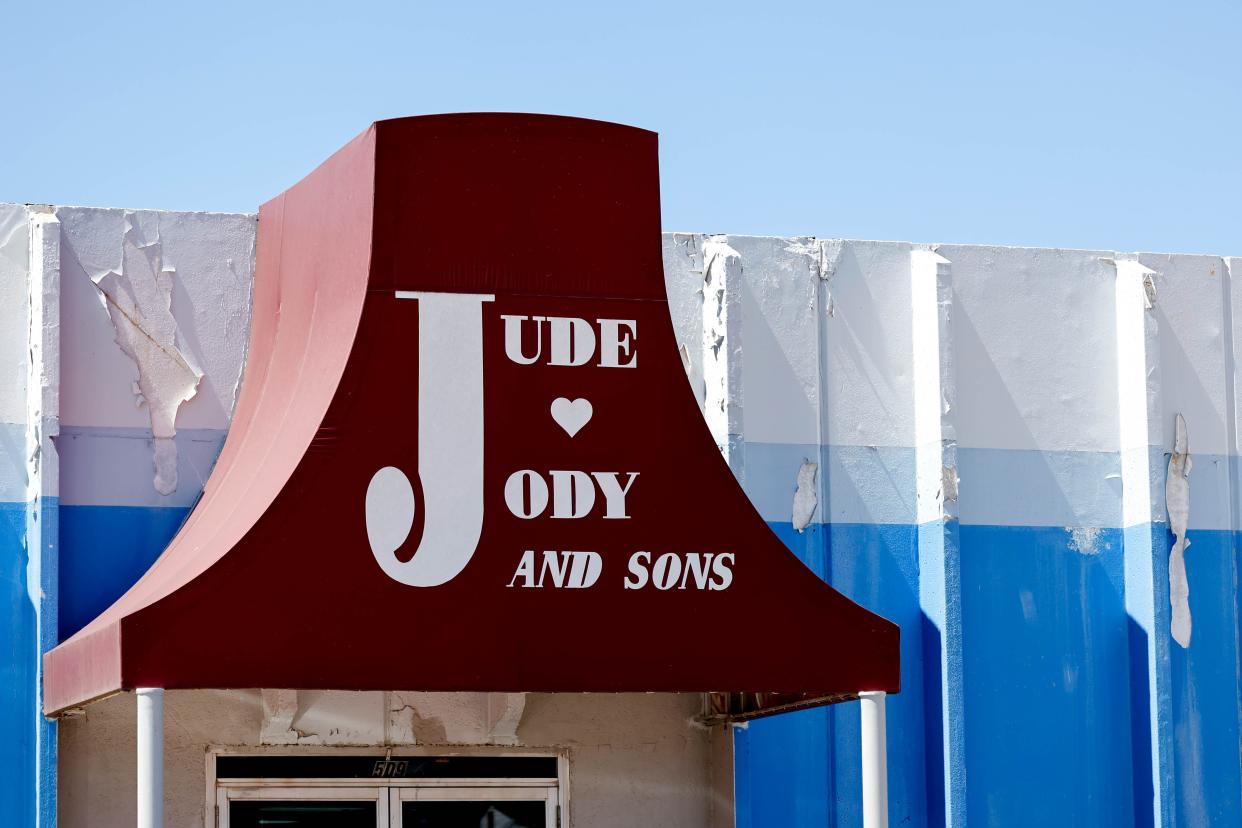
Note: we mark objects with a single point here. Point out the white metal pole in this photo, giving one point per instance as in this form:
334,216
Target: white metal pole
874,760
150,757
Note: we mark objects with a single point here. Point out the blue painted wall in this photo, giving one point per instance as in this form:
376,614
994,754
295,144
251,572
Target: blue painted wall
1046,678
103,551
810,761
1205,694
17,678
28,622
1054,703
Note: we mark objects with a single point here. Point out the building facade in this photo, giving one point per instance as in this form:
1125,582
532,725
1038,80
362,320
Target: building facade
1026,458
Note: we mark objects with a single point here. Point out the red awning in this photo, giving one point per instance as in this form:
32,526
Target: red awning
466,457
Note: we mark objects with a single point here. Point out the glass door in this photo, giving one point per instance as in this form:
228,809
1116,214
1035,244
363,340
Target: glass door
291,807
474,807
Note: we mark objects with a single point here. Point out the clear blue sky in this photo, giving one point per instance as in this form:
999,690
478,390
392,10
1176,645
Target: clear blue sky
1114,125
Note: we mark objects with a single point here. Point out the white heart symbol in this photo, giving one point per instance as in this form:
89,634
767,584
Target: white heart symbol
571,415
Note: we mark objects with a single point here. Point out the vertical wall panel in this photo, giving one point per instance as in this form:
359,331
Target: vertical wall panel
827,413
18,618
29,359
934,370
1196,357
43,484
1043,610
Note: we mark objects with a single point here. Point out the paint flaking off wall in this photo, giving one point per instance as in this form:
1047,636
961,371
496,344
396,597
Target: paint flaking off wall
138,299
1177,501
829,258
948,484
805,500
1084,540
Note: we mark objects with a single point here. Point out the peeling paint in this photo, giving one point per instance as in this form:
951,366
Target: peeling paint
811,251
805,500
948,484
1177,501
1084,540
138,299
1148,276
453,718
722,347
280,707
406,725
504,714
829,258
691,247
238,323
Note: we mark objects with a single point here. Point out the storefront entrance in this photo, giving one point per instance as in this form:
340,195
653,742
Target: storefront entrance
386,791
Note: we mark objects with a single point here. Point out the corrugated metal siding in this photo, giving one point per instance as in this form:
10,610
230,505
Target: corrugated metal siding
1041,681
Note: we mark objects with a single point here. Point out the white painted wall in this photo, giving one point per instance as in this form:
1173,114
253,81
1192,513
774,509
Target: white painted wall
824,328
168,321
14,306
209,258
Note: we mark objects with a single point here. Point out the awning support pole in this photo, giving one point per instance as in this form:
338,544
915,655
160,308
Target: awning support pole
874,760
150,757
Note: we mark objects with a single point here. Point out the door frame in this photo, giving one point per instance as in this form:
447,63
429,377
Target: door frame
390,792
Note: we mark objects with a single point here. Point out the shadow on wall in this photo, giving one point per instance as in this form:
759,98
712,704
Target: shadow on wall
17,672
103,551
